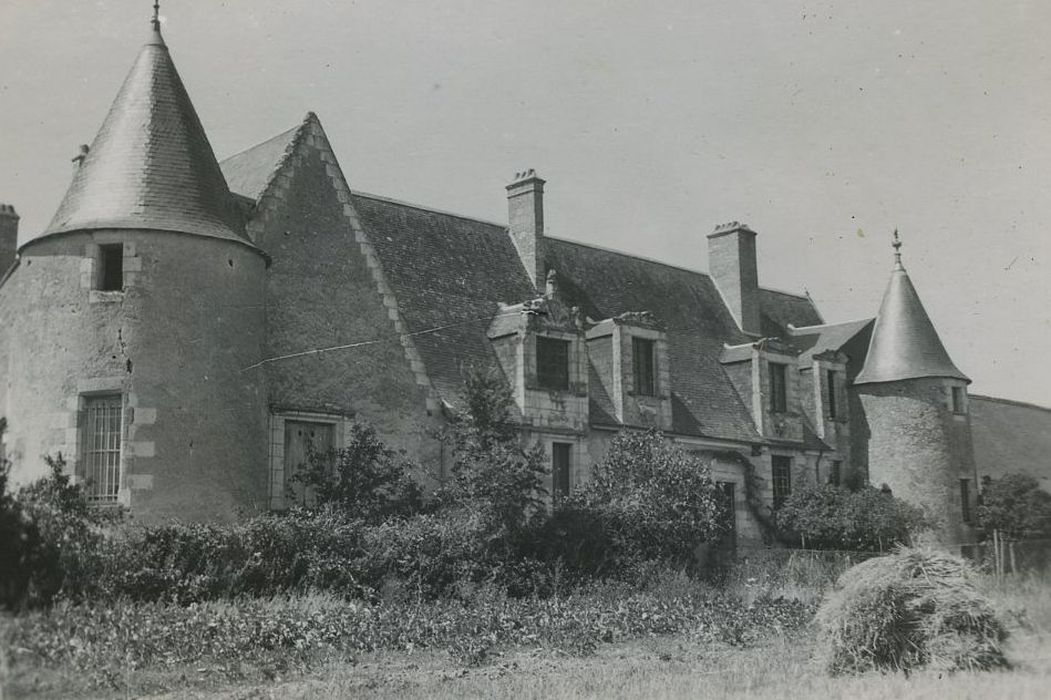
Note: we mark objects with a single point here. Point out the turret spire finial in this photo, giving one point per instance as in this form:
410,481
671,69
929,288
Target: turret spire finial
897,251
155,25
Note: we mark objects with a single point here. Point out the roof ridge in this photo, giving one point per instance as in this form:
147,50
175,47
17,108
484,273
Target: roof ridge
793,328
626,254
420,207
797,295
1011,402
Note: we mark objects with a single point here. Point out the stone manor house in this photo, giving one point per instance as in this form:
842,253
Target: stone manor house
183,328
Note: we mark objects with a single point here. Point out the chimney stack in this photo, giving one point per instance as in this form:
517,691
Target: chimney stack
732,265
8,237
525,216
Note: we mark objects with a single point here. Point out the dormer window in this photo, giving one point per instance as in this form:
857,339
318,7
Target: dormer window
645,361
552,363
778,387
110,276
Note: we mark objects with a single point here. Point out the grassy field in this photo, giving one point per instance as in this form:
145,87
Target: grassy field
672,666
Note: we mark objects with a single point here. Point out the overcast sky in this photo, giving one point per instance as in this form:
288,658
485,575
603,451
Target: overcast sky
823,125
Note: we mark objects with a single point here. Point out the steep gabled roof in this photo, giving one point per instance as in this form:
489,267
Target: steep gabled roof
778,310
249,172
814,340
904,344
450,273
150,166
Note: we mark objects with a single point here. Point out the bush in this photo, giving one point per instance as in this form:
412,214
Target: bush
1015,505
263,556
365,479
909,610
647,500
494,478
832,517
50,538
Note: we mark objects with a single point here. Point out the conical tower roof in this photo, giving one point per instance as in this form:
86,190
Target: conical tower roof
904,344
150,166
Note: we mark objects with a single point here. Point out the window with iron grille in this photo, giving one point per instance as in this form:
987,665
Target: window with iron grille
552,363
781,479
111,268
561,454
831,380
778,388
102,443
645,366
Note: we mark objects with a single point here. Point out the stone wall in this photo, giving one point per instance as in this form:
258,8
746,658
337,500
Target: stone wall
324,291
918,447
175,344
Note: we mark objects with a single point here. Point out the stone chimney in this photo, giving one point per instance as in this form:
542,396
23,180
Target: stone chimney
732,264
525,217
8,237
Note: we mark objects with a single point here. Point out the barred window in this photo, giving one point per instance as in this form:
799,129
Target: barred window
102,438
781,479
645,366
778,388
552,363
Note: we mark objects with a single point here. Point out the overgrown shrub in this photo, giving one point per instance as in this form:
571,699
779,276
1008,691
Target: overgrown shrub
50,538
1016,506
494,478
646,500
908,610
833,517
365,479
267,555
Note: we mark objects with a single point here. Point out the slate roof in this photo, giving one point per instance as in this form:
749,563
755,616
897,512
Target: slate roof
814,340
449,274
249,172
778,310
1010,436
150,166
904,344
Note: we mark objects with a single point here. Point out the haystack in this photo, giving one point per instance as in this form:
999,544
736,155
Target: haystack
909,610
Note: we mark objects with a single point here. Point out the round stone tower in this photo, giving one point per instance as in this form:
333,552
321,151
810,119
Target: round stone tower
130,319
914,401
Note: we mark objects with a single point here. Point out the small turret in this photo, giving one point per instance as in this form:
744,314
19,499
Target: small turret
914,401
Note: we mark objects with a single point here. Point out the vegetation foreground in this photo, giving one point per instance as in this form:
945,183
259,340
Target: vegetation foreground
676,640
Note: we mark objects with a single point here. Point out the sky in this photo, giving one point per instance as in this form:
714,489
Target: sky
822,125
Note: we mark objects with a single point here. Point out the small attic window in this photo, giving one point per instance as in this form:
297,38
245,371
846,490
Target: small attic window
110,276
